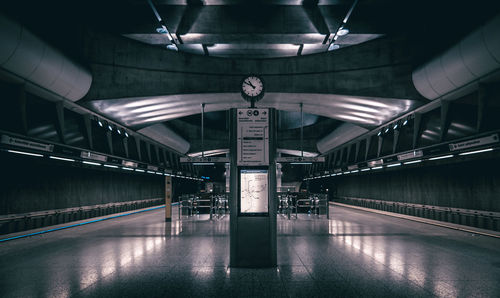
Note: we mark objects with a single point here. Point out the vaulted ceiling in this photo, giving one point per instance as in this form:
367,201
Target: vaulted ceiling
141,81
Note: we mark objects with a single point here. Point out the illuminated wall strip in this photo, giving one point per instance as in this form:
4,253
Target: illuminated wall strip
128,169
25,153
394,165
441,157
61,158
79,224
477,151
111,166
413,161
364,170
139,170
377,168
149,172
91,163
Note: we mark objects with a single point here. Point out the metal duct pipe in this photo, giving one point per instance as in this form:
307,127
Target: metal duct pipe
166,136
476,56
341,135
33,60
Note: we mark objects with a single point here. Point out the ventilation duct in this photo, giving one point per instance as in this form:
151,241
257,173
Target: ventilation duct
476,56
343,134
31,59
166,136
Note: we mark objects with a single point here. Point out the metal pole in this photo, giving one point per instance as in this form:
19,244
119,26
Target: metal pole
202,130
301,131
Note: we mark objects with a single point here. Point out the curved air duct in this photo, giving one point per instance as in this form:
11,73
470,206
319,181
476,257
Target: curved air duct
476,56
343,134
31,59
166,136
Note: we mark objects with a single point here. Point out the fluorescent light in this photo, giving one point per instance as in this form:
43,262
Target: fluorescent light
150,172
366,169
441,157
395,126
203,163
110,128
61,158
301,163
338,174
25,153
405,122
413,161
166,174
477,151
119,131
91,163
355,171
379,133
394,165
386,130
111,166
139,170
377,168
158,173
128,169
126,134
100,123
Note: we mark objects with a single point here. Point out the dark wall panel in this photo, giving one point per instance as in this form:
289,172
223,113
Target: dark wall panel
469,185
33,184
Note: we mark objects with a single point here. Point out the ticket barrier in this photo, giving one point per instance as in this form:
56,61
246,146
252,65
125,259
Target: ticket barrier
312,204
196,204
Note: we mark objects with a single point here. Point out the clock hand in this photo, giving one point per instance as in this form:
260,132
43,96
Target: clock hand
249,84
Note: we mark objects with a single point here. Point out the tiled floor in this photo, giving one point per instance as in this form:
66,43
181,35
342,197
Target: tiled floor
353,254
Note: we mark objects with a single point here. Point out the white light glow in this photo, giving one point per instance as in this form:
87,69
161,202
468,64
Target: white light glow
377,168
394,165
111,166
413,161
355,171
91,163
127,169
150,172
61,158
139,170
477,151
364,170
441,157
25,153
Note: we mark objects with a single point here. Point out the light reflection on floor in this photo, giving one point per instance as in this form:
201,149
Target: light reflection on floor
353,254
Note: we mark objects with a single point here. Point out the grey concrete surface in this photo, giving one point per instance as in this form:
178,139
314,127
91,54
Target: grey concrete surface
354,254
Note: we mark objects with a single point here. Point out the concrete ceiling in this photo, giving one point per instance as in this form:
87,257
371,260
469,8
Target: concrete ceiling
367,82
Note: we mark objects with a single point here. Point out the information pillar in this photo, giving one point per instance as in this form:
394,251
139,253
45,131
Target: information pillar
253,188
168,198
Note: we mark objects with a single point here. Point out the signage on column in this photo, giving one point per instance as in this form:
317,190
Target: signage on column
252,137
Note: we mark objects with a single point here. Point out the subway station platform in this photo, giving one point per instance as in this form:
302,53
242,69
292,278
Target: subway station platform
353,254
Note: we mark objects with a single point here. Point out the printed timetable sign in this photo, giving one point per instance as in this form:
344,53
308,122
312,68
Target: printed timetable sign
252,137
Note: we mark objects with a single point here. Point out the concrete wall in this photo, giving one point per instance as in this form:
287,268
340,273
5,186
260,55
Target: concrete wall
33,184
468,185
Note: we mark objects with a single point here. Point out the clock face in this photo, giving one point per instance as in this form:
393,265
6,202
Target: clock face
252,86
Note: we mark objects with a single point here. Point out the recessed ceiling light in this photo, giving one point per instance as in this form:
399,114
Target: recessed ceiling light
343,31
333,47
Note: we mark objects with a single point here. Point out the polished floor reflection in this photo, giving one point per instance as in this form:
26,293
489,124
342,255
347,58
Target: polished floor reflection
353,254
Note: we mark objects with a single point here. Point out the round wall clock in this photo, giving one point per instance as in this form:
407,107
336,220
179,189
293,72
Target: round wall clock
252,89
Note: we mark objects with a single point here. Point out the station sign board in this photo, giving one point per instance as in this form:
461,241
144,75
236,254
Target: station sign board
290,159
252,147
410,155
491,139
8,140
204,159
93,156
